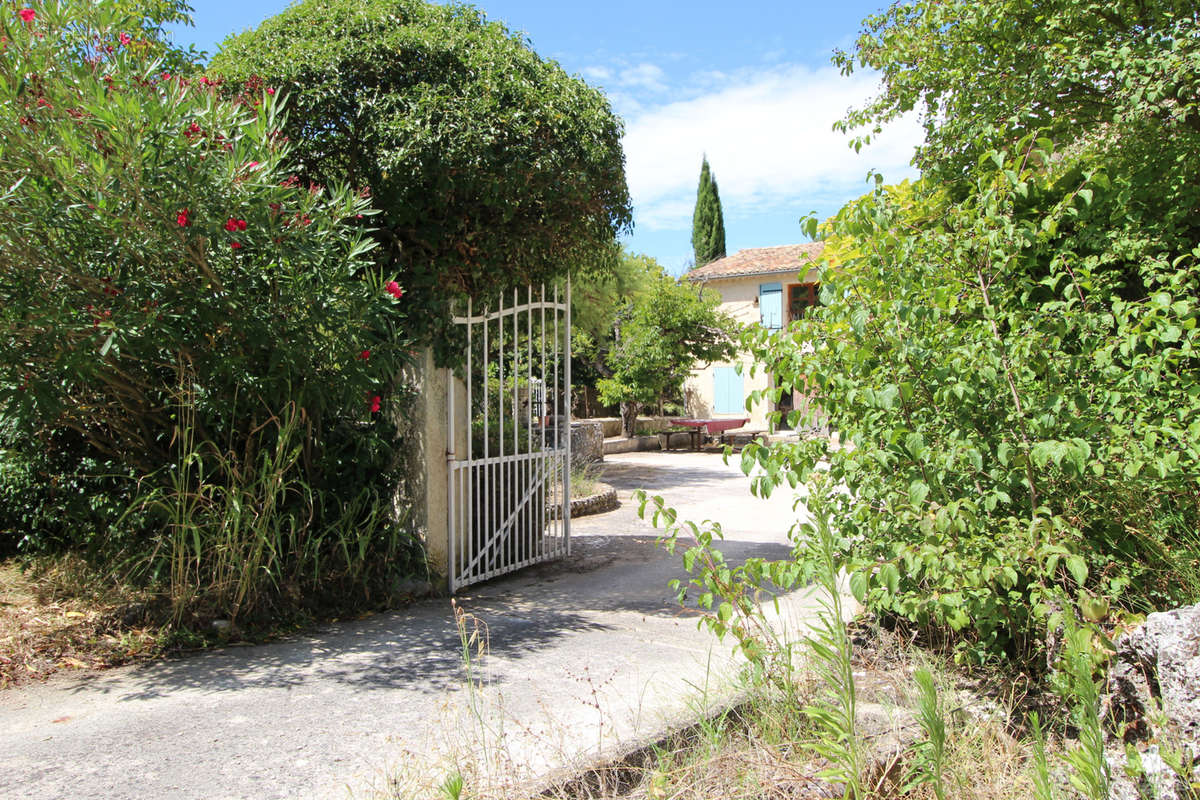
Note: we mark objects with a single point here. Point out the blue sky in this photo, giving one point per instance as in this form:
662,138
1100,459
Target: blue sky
748,84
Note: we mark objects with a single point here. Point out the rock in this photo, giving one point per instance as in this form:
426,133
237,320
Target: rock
1152,707
888,733
412,587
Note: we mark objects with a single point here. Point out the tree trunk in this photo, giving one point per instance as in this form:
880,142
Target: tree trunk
629,415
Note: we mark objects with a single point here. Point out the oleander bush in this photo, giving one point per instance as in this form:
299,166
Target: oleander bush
198,385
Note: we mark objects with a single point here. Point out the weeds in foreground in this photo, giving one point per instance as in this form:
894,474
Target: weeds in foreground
929,757
834,717
1077,685
951,757
1040,765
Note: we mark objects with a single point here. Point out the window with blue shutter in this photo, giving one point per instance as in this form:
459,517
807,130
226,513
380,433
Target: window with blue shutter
727,391
770,304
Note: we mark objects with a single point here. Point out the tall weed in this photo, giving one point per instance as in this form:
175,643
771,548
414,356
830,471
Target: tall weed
1076,684
246,539
930,760
830,654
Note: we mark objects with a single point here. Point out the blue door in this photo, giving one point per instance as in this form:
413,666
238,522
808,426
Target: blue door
727,391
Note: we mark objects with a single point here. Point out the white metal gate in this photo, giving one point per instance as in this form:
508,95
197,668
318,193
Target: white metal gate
509,498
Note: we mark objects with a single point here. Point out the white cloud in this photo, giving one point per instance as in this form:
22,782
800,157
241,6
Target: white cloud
768,136
644,76
598,74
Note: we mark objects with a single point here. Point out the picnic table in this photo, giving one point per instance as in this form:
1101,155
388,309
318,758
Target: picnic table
699,428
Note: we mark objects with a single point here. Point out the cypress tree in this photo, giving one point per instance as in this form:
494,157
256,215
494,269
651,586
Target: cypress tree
708,221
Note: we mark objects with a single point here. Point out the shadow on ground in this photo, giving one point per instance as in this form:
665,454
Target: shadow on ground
616,567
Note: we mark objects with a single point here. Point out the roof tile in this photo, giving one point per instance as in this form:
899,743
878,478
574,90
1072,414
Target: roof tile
759,261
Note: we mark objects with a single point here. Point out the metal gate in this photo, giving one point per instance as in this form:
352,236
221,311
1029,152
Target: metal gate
509,499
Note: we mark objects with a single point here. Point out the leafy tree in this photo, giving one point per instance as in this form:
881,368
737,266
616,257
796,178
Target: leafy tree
660,338
1010,344
597,300
491,167
708,220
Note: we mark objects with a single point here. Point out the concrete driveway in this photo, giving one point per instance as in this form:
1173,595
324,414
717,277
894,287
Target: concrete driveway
583,656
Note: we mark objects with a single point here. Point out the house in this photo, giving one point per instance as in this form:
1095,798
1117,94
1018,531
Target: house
771,286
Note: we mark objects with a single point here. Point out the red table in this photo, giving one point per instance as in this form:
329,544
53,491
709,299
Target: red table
709,427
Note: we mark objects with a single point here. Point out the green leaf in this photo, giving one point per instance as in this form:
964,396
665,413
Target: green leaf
858,585
1078,568
890,577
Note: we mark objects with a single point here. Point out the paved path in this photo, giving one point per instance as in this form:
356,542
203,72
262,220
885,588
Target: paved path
582,655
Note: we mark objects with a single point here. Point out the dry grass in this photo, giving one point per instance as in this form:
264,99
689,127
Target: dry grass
53,620
757,752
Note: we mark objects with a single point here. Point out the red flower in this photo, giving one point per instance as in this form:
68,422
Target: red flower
375,404
182,219
394,290
236,245
364,355
233,225
270,91
125,39
27,14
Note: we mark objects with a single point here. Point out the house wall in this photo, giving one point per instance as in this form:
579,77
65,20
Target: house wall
739,299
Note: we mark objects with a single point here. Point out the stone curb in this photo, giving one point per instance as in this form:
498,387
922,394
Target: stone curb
603,499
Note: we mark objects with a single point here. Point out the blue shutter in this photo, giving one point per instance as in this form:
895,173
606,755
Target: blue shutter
770,304
727,391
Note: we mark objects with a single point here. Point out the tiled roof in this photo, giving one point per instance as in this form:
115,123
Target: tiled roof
759,261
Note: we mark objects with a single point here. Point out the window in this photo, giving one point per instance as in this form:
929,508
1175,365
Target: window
770,304
801,297
727,391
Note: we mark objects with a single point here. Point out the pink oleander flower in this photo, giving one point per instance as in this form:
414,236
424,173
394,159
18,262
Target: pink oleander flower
394,290
364,355
124,39
233,225
375,404
183,218
27,15
236,245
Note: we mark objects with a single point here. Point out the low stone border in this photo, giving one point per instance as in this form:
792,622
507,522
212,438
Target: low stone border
637,444
603,499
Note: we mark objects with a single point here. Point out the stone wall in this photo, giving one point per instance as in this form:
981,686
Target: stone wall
612,425
587,444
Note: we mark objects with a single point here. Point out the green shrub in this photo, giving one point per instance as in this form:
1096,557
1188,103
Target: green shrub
490,166
1009,347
